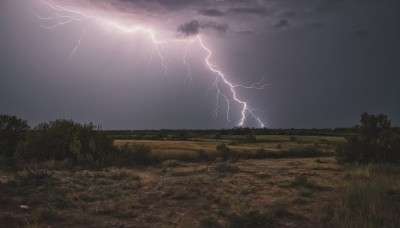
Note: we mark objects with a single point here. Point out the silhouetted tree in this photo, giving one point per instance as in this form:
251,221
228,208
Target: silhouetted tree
12,130
375,142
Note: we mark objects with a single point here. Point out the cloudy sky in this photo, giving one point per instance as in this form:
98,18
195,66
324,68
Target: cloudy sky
319,63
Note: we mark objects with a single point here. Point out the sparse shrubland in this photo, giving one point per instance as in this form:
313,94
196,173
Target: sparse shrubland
72,175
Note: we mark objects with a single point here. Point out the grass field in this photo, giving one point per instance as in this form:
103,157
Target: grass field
208,144
280,192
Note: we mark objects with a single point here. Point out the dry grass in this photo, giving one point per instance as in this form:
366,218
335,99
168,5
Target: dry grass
289,192
369,197
172,194
174,149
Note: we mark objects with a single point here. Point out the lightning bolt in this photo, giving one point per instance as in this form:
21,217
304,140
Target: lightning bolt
68,14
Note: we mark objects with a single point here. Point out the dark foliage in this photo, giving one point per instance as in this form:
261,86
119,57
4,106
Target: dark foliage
224,151
63,139
376,142
12,130
132,155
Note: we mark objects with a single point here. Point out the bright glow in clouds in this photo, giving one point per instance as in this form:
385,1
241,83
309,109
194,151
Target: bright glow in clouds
64,14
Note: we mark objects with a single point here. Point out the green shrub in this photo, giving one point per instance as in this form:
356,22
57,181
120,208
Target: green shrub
249,139
376,142
31,176
12,131
217,136
203,156
224,151
63,139
137,154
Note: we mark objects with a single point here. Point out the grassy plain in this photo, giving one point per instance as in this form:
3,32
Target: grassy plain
176,148
280,192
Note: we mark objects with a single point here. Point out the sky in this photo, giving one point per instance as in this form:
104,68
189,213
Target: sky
197,64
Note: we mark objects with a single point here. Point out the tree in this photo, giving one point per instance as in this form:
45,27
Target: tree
376,142
64,139
12,131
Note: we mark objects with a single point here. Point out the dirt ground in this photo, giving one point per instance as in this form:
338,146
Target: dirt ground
279,192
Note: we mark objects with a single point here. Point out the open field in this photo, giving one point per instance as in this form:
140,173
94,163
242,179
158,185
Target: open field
273,192
175,148
287,192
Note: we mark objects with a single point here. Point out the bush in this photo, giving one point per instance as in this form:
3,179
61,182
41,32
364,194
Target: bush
12,131
376,142
203,156
249,139
137,154
64,139
224,151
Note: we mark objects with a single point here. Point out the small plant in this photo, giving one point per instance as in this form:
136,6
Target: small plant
249,139
260,153
137,154
292,139
224,151
31,176
203,156
217,136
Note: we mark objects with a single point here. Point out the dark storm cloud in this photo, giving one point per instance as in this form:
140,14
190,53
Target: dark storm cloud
329,5
281,24
251,10
171,4
193,27
359,32
211,13
189,28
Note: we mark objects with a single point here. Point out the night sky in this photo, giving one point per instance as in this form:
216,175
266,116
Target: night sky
320,63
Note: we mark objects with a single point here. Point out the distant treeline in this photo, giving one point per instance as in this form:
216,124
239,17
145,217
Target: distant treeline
139,134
